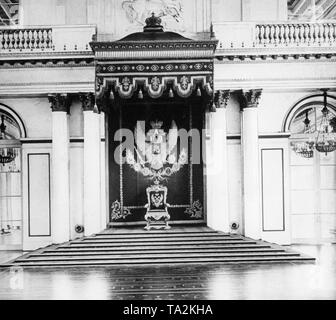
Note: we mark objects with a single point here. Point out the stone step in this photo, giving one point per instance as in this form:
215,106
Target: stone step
132,236
45,257
180,247
150,240
151,261
76,244
152,251
149,247
158,233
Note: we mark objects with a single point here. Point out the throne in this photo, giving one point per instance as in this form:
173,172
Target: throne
157,215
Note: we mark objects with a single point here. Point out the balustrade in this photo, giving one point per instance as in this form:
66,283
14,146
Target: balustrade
295,34
237,35
49,38
26,39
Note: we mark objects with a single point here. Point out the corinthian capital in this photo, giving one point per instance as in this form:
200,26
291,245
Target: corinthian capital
60,102
222,98
249,98
88,101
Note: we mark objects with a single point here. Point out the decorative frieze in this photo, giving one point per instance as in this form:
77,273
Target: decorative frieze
45,61
121,46
60,102
257,55
155,86
155,77
167,67
249,98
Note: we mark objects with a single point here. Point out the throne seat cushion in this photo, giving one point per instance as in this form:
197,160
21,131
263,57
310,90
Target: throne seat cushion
157,215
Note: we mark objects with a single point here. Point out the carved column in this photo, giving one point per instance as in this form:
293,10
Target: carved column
92,165
218,217
60,105
249,101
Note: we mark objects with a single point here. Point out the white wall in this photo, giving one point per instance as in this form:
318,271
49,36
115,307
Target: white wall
249,10
264,10
309,185
111,15
235,183
76,187
233,115
226,10
274,105
35,113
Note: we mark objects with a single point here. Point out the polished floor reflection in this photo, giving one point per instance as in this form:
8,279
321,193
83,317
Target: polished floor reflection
278,281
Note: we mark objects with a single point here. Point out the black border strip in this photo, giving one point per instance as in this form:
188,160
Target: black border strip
28,157
261,136
274,136
283,189
39,141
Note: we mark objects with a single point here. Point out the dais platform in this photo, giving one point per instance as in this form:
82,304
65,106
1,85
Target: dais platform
177,246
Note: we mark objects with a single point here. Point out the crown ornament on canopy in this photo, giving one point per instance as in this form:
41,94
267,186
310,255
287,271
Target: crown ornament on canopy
153,24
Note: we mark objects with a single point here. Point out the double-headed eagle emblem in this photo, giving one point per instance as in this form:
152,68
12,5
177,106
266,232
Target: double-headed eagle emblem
156,151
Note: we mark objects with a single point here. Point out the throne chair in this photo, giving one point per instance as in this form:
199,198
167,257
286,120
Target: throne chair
157,215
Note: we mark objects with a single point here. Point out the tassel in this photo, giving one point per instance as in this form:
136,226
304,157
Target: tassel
95,108
171,93
199,93
111,95
140,95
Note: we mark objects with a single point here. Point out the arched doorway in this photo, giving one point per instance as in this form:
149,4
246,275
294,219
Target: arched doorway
11,130
313,175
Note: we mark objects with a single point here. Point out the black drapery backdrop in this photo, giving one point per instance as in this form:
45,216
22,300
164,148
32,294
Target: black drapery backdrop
128,188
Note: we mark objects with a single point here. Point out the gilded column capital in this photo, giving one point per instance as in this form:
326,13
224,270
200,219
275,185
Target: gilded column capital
60,102
249,98
222,98
88,101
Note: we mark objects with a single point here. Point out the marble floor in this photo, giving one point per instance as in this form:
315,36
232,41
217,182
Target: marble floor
12,240
218,282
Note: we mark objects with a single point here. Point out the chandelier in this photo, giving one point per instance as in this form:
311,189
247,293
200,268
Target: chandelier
323,139
305,148
8,153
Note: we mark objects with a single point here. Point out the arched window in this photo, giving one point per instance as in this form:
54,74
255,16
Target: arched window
310,116
312,172
11,130
10,145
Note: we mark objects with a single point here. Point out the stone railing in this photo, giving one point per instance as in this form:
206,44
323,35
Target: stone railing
39,39
237,35
26,39
295,34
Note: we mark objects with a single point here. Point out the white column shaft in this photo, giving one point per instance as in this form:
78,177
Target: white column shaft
60,178
92,164
251,189
219,195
